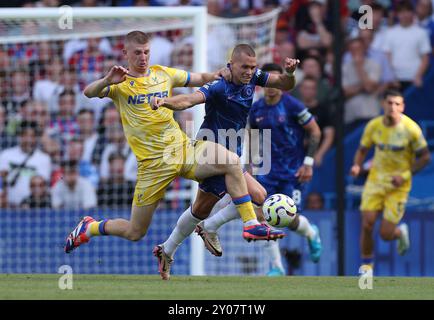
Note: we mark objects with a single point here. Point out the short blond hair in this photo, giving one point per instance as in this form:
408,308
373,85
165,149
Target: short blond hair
137,37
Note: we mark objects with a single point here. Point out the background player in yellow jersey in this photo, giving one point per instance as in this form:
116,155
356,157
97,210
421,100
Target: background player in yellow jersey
162,150
400,152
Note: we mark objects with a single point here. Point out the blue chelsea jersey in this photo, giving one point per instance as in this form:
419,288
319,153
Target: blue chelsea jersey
286,120
227,107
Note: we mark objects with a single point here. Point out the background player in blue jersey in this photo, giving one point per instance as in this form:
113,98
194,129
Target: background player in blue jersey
292,161
227,109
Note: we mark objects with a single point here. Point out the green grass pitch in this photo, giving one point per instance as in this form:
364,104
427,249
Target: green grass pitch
39,286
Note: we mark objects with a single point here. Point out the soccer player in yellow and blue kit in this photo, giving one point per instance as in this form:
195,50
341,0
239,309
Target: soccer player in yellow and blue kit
400,151
162,150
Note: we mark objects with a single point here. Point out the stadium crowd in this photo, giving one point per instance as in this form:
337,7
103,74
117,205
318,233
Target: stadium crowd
59,149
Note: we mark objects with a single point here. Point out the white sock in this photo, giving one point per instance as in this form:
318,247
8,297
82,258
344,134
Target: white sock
219,218
273,252
184,227
252,222
305,228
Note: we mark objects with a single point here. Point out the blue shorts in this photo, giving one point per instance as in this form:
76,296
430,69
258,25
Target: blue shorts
215,185
293,189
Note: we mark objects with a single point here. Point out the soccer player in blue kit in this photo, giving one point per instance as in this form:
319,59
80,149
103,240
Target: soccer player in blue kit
291,166
227,108
292,162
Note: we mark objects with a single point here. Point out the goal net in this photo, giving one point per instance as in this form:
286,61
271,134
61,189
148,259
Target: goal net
47,57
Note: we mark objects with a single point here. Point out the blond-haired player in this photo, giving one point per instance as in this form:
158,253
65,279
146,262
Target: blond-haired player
162,150
400,151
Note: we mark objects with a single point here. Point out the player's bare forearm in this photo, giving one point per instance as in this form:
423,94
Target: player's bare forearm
199,79
94,89
179,102
423,157
314,138
287,82
360,155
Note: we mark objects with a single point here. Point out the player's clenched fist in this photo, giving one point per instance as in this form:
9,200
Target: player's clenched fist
355,170
156,102
291,64
117,74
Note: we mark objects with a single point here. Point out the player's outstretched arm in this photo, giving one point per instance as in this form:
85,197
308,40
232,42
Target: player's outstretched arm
199,79
117,74
285,81
179,102
359,157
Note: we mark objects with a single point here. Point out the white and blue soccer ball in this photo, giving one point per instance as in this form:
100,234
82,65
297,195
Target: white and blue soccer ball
279,210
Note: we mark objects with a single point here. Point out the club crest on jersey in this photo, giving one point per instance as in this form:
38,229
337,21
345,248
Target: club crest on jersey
132,83
247,92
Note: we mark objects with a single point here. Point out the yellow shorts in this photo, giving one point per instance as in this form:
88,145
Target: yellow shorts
391,201
155,175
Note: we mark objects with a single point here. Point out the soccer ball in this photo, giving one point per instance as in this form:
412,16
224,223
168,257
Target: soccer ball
279,210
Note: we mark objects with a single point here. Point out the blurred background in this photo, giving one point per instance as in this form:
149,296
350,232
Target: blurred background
43,71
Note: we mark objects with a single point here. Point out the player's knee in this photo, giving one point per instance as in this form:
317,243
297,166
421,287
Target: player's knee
386,235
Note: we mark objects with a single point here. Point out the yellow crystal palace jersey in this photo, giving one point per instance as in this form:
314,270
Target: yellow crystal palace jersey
395,149
149,132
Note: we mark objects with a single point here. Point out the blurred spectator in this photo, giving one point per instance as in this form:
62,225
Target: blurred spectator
360,79
283,47
6,140
140,3
39,194
322,114
68,82
48,3
55,152
182,55
116,191
233,9
18,164
109,118
87,54
96,104
116,144
379,26
85,168
19,94
408,48
44,89
87,132
73,192
388,78
64,125
219,51
37,112
424,13
312,37
89,62
161,49
314,201
311,67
